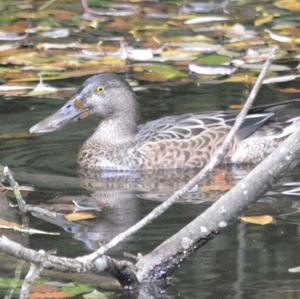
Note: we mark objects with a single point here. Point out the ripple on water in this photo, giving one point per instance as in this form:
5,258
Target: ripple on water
53,156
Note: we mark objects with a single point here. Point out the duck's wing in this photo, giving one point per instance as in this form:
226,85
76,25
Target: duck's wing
188,126
187,140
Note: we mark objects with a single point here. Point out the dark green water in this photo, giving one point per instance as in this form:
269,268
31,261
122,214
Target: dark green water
246,261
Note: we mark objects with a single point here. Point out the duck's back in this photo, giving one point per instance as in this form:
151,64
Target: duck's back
184,141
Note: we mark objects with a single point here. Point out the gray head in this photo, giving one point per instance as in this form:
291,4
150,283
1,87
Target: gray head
106,95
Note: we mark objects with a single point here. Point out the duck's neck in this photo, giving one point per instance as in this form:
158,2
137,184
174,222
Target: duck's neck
116,130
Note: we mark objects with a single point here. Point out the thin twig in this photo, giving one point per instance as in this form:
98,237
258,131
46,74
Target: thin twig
16,188
32,275
17,278
47,4
213,163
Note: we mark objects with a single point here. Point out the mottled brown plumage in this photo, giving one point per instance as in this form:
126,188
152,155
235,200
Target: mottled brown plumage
183,141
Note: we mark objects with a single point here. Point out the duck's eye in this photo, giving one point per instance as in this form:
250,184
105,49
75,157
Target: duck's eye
100,89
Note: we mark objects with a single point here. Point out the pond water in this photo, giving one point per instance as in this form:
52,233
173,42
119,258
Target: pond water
245,261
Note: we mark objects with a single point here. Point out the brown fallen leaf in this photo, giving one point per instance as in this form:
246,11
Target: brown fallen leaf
289,90
261,220
80,216
54,294
292,5
216,187
236,106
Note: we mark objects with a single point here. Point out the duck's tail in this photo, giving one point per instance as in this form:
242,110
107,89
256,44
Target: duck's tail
274,107
260,121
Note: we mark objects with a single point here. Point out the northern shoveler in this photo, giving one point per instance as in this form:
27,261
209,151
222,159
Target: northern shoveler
181,141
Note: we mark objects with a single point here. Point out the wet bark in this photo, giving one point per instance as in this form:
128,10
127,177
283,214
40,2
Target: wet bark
164,259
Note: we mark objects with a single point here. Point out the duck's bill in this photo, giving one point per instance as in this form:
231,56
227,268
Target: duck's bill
73,110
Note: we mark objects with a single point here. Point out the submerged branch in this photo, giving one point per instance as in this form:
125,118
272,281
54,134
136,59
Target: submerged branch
123,271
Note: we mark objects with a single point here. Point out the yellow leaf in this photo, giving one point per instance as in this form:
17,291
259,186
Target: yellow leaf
80,216
241,78
293,5
236,106
264,19
261,220
216,187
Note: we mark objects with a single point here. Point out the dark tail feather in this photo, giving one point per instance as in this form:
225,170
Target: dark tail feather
260,115
273,108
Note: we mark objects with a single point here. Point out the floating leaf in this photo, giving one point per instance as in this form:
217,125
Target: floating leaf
289,90
272,68
200,47
219,187
179,55
57,33
241,78
95,294
213,59
206,19
126,52
236,106
161,71
280,79
238,32
279,38
293,5
11,36
8,88
80,216
42,89
212,70
84,71
248,43
7,47
261,220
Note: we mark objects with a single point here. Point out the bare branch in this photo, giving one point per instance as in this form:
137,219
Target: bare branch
166,257
15,186
213,163
123,271
32,275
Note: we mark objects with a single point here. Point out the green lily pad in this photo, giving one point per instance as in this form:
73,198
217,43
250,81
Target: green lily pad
161,70
213,59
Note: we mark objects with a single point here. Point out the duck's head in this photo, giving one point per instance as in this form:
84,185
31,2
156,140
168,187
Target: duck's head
106,95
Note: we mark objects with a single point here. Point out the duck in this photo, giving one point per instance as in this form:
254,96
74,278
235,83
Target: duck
171,142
